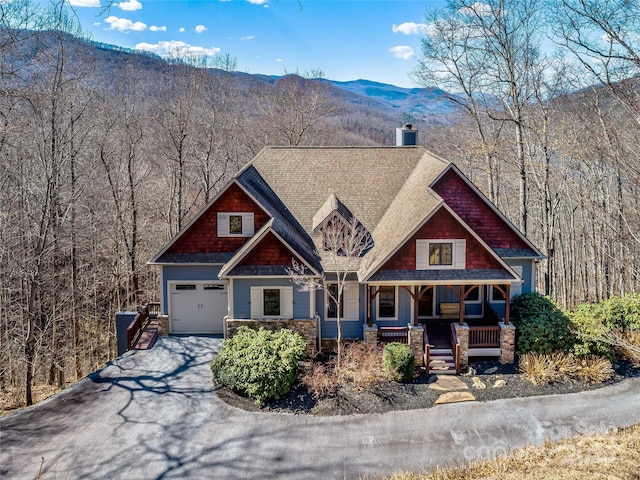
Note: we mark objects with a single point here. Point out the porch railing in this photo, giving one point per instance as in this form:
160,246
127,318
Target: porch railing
135,328
393,334
487,336
455,347
427,348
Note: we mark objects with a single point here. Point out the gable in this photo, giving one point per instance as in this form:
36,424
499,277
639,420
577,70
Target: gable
202,235
270,251
443,226
478,214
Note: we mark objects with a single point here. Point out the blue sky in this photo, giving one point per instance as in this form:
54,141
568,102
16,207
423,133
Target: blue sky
348,39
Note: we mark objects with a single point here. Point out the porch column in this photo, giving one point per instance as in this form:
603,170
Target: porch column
507,303
369,322
416,299
416,342
507,342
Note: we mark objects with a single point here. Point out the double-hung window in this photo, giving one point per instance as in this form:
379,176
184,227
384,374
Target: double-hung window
387,303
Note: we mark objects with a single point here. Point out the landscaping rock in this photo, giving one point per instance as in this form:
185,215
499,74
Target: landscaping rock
455,397
477,383
448,382
499,383
491,370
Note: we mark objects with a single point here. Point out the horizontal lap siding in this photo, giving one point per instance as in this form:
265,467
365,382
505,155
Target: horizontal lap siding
242,296
186,273
202,236
442,226
476,213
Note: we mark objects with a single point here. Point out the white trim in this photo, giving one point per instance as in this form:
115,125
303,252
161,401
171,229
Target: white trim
346,300
458,253
395,317
223,227
491,299
476,302
286,304
230,299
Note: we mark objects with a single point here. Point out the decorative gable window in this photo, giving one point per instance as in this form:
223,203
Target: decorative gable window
440,254
235,224
271,302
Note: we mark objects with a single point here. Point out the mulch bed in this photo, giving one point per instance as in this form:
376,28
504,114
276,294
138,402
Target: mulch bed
392,396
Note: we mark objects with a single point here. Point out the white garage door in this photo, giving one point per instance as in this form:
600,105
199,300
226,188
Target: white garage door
198,307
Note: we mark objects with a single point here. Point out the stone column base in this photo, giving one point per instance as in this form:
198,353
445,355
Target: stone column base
370,334
507,342
416,343
462,331
163,323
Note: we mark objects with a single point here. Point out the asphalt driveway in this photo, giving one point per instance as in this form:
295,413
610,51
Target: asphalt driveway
155,414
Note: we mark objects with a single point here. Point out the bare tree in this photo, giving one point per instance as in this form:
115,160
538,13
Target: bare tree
344,244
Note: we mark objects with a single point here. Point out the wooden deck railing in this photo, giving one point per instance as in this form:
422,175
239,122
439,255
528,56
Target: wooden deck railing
135,328
393,334
427,348
487,336
154,309
455,346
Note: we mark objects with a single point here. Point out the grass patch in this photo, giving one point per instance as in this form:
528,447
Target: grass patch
593,457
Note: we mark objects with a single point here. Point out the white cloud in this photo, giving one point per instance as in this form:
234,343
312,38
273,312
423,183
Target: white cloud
279,60
96,24
258,2
176,48
129,5
181,29
402,51
84,3
250,37
201,29
410,28
154,28
124,24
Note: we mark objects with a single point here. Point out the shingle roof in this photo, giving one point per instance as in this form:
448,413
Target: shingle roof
442,275
209,258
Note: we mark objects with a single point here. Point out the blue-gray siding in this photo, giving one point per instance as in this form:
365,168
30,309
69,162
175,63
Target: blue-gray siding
242,296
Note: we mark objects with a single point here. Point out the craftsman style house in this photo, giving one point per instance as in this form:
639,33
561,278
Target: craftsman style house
443,264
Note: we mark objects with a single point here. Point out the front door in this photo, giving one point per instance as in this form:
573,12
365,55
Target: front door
425,304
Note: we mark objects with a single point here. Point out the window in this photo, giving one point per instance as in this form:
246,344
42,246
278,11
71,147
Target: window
349,304
332,306
235,224
473,296
387,302
272,302
496,294
271,299
185,287
440,254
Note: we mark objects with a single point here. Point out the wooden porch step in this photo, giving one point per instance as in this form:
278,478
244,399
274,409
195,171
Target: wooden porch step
441,360
147,339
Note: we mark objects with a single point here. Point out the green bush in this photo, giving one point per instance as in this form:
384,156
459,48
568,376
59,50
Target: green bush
593,322
260,364
542,326
398,360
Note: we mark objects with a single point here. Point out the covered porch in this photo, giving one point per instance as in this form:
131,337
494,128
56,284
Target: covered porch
444,331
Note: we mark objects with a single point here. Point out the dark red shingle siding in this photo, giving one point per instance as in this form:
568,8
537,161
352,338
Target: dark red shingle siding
202,236
476,213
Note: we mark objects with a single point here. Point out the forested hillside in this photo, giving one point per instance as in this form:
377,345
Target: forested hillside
105,154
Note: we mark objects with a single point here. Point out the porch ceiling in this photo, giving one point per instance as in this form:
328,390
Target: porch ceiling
475,276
